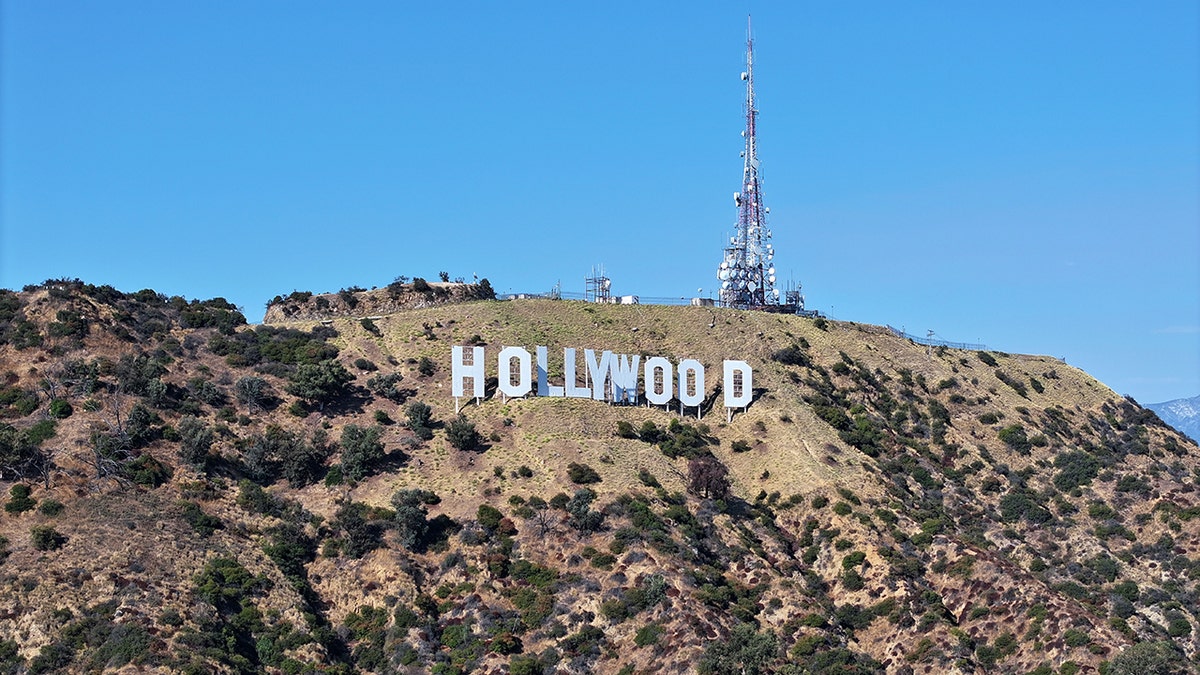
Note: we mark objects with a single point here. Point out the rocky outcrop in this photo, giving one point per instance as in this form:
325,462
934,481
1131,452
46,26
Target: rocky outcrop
356,302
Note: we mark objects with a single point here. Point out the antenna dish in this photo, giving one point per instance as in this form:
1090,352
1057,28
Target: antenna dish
745,76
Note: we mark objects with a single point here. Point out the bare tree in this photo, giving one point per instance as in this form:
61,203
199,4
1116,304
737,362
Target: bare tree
708,477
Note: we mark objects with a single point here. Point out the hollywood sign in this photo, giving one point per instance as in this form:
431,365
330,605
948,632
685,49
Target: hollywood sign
607,377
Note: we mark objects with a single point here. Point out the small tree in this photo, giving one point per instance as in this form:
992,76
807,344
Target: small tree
746,652
420,417
361,449
387,386
582,474
361,533
489,517
46,538
319,383
253,392
302,463
20,501
462,434
195,439
708,477
579,511
411,522
484,291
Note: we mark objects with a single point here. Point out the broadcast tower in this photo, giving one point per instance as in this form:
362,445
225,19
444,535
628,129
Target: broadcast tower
747,273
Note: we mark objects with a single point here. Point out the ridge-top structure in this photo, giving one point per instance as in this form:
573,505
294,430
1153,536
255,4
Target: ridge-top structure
747,273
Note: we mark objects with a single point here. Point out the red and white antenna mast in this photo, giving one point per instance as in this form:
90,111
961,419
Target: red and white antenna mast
747,273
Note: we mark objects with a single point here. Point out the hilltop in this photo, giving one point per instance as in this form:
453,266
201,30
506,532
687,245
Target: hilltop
187,493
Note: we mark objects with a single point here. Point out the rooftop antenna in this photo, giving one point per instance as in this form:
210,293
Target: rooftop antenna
747,273
598,286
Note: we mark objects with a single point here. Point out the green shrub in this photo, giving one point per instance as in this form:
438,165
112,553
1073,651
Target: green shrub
253,392
1074,637
1133,483
46,538
20,501
1016,384
740,446
1076,468
60,409
42,431
388,386
745,652
852,580
792,355
582,474
319,383
648,635
1018,504
1177,624
489,517
853,560
51,507
987,359
462,435
203,523
148,471
1014,437
362,450
20,401
525,665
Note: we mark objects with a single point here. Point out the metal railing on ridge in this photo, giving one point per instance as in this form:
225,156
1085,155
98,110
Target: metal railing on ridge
930,342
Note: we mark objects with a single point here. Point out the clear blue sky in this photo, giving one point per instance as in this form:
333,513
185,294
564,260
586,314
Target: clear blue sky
1022,174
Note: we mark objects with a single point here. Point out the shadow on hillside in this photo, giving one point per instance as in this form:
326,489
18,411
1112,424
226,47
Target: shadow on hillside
738,508
352,403
391,462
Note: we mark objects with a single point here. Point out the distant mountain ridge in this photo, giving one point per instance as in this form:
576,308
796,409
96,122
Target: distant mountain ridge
1181,413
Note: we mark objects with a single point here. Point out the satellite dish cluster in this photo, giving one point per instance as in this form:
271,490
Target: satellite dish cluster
743,276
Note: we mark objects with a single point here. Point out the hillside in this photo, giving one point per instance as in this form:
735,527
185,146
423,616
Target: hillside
190,494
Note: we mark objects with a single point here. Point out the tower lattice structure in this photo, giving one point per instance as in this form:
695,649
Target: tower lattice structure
747,273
